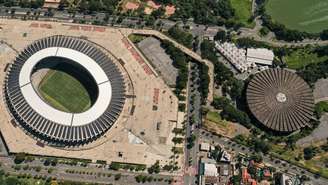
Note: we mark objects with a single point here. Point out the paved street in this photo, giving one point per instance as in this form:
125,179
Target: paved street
193,123
92,173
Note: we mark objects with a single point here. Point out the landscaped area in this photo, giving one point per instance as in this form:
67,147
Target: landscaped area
216,118
316,164
300,58
64,92
243,11
304,15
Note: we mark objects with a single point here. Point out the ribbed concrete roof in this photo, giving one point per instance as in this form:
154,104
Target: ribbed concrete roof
280,99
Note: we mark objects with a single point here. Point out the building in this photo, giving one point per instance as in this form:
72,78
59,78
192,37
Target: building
246,178
261,56
224,169
280,100
210,170
235,55
225,157
205,147
51,4
285,180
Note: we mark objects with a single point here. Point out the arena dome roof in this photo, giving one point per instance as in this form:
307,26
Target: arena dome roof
280,99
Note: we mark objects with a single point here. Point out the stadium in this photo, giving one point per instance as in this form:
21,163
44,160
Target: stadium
281,100
83,92
64,91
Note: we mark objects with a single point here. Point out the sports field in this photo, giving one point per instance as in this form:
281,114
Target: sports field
304,15
243,11
64,92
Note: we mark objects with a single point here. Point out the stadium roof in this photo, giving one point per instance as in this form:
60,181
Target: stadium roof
280,99
55,115
48,123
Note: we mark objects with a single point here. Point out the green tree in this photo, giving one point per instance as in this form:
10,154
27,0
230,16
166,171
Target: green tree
309,152
155,168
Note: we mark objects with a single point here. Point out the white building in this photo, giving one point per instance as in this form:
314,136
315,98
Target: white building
242,59
210,170
285,180
205,147
235,55
260,56
226,157
51,4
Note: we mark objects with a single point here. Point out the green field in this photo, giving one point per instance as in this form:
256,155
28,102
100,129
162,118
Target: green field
302,57
215,117
64,92
304,15
243,11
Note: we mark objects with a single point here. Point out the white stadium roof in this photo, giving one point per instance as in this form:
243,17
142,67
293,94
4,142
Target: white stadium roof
55,115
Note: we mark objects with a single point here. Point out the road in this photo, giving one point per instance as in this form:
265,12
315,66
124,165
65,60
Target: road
95,174
277,163
193,124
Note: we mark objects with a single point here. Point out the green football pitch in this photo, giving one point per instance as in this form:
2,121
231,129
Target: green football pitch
303,15
64,92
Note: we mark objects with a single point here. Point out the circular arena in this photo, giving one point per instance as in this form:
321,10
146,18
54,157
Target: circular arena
51,124
280,100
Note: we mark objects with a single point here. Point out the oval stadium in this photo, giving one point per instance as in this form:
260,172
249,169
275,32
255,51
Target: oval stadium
64,91
280,99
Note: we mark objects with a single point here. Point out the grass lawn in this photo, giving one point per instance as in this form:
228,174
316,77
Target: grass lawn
243,11
136,38
300,58
64,92
216,118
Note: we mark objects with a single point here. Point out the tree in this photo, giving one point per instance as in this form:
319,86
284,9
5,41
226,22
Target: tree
12,181
324,34
155,168
19,158
309,152
261,146
115,166
204,82
117,176
141,178
208,50
236,88
221,36
232,114
220,102
257,158
264,31
158,13
181,36
179,62
236,179
177,140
